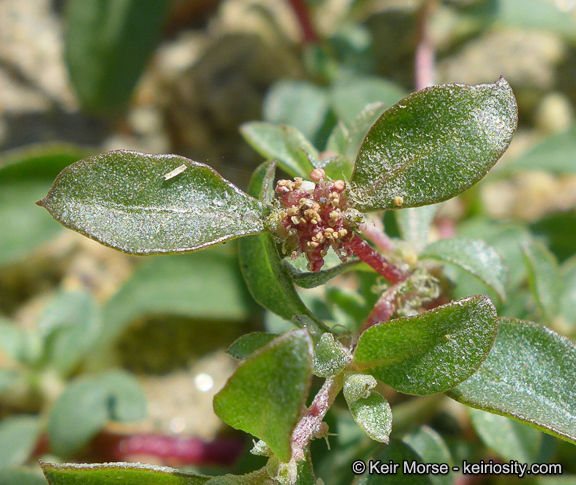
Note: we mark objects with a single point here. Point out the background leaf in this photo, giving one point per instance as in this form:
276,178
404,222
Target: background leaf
509,439
122,200
178,285
107,45
88,404
25,176
295,154
431,352
70,326
544,278
432,449
265,396
556,154
18,436
113,473
528,376
475,257
300,104
249,343
20,476
433,145
567,304
414,224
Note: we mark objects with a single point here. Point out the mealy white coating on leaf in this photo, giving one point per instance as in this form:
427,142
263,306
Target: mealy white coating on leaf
433,145
122,200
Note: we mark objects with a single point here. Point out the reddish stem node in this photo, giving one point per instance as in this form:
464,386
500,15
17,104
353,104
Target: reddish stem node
384,308
392,273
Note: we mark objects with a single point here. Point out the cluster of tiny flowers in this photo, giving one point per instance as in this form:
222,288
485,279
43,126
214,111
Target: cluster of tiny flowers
314,216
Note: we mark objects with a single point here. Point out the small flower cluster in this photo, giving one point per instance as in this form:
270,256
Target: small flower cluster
314,215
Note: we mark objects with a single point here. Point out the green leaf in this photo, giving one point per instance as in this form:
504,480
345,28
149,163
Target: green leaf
475,257
526,14
178,285
249,343
300,104
558,232
351,96
394,456
295,154
261,265
88,404
369,409
107,46
528,376
19,344
567,303
123,200
70,326
330,356
266,394
431,352
20,476
307,279
25,176
544,278
509,439
18,436
556,154
116,473
433,145
414,224
432,449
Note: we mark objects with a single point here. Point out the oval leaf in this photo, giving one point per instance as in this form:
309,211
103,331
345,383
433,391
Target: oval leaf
88,404
433,145
114,473
528,376
266,394
475,257
18,436
146,204
369,409
431,352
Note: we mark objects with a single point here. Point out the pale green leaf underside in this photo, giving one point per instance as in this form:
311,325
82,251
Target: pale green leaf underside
431,352
529,376
475,257
433,145
123,200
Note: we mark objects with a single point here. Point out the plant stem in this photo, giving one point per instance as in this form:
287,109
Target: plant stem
303,15
391,272
424,62
310,425
374,232
384,308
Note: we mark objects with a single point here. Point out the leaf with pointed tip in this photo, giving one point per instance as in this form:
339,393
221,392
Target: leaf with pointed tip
544,278
369,409
433,145
260,262
330,356
128,201
295,154
266,393
528,376
114,473
431,352
475,257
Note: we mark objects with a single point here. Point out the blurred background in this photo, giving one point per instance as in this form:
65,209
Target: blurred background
80,77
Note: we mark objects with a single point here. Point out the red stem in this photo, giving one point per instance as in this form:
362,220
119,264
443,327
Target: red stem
424,62
392,273
303,15
374,232
384,308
